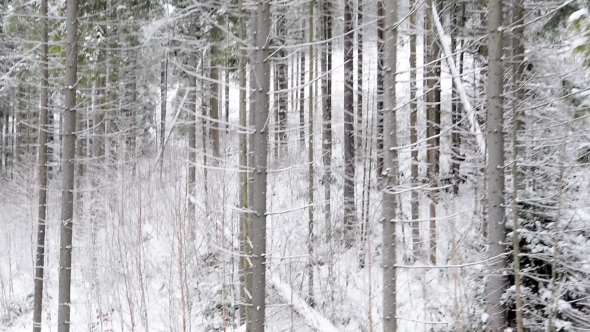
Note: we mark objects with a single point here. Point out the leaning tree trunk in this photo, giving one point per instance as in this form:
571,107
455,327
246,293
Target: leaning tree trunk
350,218
390,164
42,207
260,153
68,162
496,282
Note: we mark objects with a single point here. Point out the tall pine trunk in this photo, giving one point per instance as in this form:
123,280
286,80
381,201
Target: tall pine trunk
244,228
327,115
416,243
214,100
359,104
310,160
496,282
42,207
380,87
68,163
192,136
390,160
517,71
433,119
350,217
260,154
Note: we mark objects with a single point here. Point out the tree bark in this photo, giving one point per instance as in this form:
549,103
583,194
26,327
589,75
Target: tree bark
42,206
350,217
68,164
496,282
260,153
390,159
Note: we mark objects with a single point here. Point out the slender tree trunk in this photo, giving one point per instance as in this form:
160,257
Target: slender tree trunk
416,243
283,85
214,101
433,116
226,97
163,104
192,137
458,24
244,228
17,126
310,160
42,206
359,42
517,68
260,139
350,217
68,162
390,159
327,116
496,282
301,99
380,87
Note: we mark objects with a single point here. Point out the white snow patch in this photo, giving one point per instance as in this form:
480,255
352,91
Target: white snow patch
577,15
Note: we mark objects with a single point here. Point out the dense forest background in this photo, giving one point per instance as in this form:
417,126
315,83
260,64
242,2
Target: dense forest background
312,165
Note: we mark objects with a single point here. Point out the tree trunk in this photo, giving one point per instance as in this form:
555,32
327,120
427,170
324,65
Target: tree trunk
214,101
496,282
350,217
42,206
359,104
260,140
458,24
163,104
68,163
416,243
192,137
310,160
380,87
433,116
283,85
518,67
390,159
244,228
301,99
226,97
327,116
